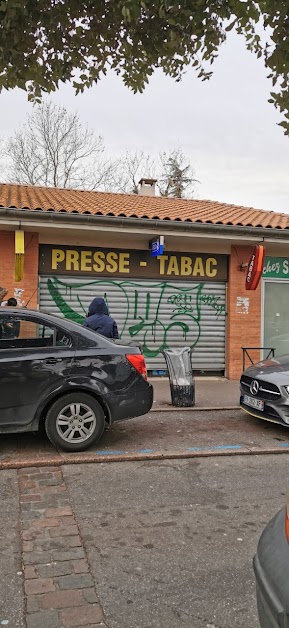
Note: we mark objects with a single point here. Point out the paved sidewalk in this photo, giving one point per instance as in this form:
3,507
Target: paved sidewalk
210,392
58,584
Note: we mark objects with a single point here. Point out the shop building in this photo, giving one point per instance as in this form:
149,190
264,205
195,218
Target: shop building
78,245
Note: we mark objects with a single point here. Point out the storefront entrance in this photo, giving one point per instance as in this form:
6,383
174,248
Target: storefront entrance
172,301
276,304
276,316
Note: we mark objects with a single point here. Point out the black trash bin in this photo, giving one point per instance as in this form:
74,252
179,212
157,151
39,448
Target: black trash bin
181,377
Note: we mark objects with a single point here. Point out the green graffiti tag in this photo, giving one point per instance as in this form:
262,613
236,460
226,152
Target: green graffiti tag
150,329
184,303
62,305
214,302
156,315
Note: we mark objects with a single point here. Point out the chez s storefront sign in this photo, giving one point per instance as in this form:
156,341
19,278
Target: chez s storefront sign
276,268
76,260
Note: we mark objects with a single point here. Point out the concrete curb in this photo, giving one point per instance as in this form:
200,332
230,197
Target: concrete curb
136,457
169,408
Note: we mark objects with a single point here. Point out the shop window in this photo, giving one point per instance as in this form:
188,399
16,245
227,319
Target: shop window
276,316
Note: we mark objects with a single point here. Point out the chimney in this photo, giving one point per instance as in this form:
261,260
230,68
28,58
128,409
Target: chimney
147,187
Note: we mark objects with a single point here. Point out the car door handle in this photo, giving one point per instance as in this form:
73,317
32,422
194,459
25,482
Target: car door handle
53,360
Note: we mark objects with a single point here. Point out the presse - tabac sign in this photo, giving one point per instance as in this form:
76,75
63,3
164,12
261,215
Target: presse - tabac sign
71,260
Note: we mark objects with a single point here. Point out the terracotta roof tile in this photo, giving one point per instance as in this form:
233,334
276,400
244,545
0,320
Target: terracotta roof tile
130,205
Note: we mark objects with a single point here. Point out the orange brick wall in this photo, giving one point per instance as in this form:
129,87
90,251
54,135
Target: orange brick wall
243,327
29,283
244,323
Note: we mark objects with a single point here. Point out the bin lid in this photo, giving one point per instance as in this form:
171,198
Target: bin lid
177,351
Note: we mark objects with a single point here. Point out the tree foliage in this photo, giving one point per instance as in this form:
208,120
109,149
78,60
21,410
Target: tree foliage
53,148
176,178
48,41
172,170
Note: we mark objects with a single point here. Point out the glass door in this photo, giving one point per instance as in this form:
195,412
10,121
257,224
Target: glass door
276,316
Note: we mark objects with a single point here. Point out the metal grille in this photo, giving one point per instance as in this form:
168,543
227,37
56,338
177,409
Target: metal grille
156,314
266,390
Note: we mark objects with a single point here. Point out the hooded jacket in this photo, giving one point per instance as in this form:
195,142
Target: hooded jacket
99,320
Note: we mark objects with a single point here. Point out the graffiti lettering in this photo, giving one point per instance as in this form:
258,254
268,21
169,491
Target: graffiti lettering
156,315
184,305
214,302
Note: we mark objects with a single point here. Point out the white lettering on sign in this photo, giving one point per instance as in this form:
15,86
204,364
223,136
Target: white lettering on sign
274,267
250,269
285,267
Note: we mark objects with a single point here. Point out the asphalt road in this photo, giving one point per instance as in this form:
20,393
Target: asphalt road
163,432
171,543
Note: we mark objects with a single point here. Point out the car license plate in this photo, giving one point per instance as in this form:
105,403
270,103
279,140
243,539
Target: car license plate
254,403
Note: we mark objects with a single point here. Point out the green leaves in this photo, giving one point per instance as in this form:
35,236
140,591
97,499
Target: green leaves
231,25
48,41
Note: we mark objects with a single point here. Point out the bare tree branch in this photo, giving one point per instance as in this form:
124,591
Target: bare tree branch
129,169
173,171
53,148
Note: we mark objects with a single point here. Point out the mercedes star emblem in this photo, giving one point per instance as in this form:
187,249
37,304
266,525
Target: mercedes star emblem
254,387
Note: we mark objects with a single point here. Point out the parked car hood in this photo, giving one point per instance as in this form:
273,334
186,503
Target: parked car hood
271,370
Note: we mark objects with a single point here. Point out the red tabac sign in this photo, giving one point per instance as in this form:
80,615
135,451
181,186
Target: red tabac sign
255,268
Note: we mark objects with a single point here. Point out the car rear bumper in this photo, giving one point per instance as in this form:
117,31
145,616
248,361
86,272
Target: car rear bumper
134,402
271,567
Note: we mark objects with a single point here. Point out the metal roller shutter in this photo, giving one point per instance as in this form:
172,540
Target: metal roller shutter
155,314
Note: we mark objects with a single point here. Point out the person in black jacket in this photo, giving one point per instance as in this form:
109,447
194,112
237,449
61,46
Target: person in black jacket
11,328
98,319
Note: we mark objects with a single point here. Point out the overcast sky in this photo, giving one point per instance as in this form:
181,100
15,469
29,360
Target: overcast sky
225,126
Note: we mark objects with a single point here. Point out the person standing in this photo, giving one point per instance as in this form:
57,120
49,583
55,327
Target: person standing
10,328
98,319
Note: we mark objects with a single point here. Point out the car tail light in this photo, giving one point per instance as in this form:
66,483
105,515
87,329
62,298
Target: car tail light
138,362
287,520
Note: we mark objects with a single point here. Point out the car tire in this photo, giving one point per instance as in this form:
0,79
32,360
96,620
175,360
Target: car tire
74,422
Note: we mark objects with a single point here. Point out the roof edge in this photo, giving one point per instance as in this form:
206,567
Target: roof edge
39,217
132,195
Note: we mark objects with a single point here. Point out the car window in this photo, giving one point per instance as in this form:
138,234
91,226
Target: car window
22,333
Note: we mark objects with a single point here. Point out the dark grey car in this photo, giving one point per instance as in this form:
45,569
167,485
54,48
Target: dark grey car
69,379
265,390
265,394
271,566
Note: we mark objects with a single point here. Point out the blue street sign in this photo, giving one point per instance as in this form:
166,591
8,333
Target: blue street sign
157,246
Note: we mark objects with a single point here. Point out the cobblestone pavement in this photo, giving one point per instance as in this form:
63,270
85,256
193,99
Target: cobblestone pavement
11,586
58,585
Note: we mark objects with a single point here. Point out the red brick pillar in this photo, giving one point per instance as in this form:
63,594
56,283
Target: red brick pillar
244,313
29,284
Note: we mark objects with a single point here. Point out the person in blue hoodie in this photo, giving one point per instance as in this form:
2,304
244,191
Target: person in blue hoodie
98,319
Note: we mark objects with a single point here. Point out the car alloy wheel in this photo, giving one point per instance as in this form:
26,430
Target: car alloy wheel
75,421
